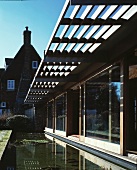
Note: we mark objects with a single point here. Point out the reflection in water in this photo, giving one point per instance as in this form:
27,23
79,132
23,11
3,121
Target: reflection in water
52,155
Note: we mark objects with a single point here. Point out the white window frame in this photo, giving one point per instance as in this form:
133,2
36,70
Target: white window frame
3,104
34,64
10,84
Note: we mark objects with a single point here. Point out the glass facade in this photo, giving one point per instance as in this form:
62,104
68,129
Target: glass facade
50,111
102,105
61,112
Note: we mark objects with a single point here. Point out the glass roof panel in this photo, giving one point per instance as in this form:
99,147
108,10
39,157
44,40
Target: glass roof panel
96,11
91,31
51,73
84,14
62,46
69,31
96,45
56,73
72,68
55,67
61,73
66,73
119,11
78,46
81,10
63,31
49,67
69,11
130,12
100,31
61,67
110,31
46,73
76,8
53,46
60,29
67,67
85,47
107,11
73,31
80,33
70,46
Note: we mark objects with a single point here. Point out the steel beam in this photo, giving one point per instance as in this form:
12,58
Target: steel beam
88,21
69,78
103,2
75,40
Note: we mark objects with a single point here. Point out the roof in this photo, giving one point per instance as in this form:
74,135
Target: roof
1,71
85,30
8,60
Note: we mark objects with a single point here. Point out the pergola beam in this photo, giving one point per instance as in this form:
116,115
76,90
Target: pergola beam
59,64
62,57
57,56
70,78
37,96
42,89
75,40
103,2
88,21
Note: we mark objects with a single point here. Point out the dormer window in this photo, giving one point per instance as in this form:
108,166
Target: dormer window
34,64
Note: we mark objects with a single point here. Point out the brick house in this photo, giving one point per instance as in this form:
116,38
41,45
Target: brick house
17,76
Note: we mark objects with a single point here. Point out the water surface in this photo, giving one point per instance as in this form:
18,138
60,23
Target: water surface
46,153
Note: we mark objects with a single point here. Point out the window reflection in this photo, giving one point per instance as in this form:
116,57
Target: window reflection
50,114
60,112
103,105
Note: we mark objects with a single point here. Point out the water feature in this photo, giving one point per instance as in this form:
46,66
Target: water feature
40,152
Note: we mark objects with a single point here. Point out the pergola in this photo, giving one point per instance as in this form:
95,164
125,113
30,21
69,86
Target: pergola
85,34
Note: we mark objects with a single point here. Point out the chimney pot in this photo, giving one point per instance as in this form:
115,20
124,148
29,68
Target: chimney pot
27,36
26,28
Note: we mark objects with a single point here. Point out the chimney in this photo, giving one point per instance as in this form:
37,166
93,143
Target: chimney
27,36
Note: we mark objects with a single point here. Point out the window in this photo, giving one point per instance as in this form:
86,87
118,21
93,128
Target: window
102,103
61,112
50,110
34,64
3,104
10,84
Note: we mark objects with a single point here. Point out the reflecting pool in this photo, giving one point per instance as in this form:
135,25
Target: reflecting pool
39,151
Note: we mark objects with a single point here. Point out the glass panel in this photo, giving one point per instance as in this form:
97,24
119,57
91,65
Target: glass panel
132,104
50,112
10,84
60,112
103,105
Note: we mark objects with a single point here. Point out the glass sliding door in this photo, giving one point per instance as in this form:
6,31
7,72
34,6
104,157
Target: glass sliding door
132,115
50,112
102,105
60,112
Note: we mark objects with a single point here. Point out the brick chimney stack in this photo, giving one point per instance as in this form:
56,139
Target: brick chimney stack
27,36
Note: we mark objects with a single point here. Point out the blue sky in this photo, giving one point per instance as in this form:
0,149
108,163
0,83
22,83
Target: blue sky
39,15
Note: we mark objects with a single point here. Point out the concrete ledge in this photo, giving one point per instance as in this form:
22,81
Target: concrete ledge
4,138
122,161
